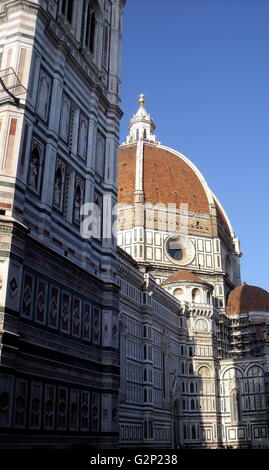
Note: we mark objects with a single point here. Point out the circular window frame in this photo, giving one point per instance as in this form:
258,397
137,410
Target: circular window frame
187,248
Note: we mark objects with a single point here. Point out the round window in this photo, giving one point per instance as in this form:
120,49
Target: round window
180,249
175,248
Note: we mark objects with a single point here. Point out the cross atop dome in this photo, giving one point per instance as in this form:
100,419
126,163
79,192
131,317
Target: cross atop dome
141,125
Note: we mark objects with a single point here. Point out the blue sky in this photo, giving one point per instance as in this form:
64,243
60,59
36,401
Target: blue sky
203,66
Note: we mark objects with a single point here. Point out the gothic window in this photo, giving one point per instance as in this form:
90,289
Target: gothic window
67,8
78,199
65,118
208,298
90,29
100,154
145,134
106,41
83,136
44,91
35,166
59,185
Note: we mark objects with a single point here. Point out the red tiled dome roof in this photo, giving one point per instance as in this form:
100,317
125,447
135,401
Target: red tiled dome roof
182,275
167,178
247,298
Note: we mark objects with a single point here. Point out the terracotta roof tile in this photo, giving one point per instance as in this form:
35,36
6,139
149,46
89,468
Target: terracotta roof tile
247,298
167,179
182,275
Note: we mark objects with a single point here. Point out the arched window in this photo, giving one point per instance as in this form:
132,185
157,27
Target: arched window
145,134
192,404
178,293
204,371
190,368
208,298
191,388
196,296
137,134
201,325
193,432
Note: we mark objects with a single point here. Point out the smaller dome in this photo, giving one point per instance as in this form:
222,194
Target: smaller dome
247,298
182,275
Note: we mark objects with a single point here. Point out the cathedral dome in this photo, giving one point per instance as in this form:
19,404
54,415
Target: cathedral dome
247,298
149,172
167,178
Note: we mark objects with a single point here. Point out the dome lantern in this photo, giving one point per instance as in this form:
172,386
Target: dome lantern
141,125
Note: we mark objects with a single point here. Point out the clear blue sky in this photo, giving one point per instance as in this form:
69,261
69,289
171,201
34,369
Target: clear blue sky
204,68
